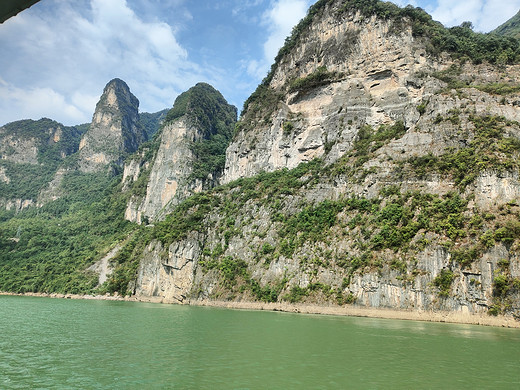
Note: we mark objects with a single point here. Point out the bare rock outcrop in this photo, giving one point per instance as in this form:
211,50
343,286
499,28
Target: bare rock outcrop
114,131
186,160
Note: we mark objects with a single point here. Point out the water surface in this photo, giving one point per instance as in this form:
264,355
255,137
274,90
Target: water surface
80,344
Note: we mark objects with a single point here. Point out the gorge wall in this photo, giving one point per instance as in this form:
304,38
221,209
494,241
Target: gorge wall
364,170
376,165
191,140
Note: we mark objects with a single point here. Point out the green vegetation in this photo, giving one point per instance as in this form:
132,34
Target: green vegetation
319,77
205,108
366,143
48,249
451,76
443,282
236,278
505,288
421,108
491,148
511,28
460,42
394,221
263,100
151,122
27,180
189,216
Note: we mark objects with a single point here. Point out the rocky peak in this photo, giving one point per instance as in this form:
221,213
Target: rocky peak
115,128
190,155
349,64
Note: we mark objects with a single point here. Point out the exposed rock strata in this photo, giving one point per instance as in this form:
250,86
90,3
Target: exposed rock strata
167,273
169,175
374,76
199,114
114,131
379,77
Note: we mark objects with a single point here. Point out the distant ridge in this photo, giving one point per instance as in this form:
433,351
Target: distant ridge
511,28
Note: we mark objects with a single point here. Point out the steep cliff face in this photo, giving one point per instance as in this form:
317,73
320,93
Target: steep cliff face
341,72
31,153
401,189
346,72
115,129
189,157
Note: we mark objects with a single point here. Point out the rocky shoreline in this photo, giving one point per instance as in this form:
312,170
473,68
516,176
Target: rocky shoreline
350,310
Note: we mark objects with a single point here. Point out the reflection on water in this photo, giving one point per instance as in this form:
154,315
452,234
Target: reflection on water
51,343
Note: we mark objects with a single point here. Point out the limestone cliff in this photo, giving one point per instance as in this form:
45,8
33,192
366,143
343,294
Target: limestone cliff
189,156
31,153
344,71
115,129
401,188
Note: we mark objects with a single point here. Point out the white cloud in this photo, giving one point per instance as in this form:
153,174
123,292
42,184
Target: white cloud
36,103
75,49
242,6
484,14
282,16
496,12
404,3
452,13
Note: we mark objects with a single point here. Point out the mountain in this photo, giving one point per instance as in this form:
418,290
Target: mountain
115,129
59,208
151,122
32,153
376,165
510,28
189,155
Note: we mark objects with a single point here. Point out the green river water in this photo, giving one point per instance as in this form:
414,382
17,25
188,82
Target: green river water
81,344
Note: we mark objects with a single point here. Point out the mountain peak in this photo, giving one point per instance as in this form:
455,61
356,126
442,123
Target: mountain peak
115,128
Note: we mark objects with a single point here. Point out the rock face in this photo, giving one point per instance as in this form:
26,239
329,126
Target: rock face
31,153
169,176
167,276
413,203
346,72
200,117
114,131
372,79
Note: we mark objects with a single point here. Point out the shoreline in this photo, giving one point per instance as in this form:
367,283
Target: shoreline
348,311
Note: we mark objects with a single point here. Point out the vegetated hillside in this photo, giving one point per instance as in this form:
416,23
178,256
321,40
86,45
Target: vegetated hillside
187,156
31,154
376,164
151,122
510,28
49,248
56,220
58,246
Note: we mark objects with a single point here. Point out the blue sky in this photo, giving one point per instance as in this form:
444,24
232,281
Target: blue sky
58,55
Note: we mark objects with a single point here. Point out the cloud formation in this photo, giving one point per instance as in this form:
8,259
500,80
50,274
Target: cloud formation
76,54
279,19
485,15
57,56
